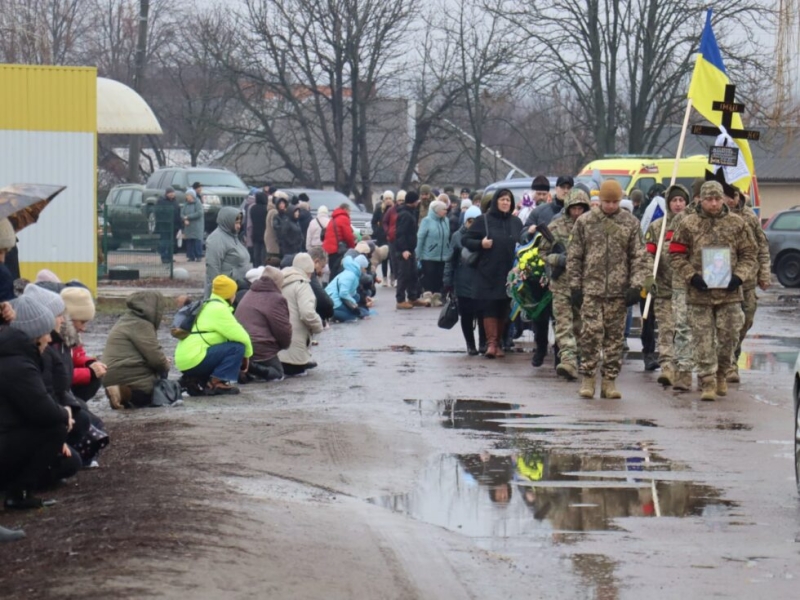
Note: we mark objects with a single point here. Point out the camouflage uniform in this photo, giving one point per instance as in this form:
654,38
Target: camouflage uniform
682,340
716,313
662,302
605,259
567,317
761,276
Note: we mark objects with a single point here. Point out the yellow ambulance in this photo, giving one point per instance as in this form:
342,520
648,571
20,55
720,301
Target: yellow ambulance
642,172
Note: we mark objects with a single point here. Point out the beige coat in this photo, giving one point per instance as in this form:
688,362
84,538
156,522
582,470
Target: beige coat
303,315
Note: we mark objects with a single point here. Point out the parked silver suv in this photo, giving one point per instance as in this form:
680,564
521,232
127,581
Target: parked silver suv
783,233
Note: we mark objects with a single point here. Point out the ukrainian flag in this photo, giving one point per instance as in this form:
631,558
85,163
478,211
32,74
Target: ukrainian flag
708,85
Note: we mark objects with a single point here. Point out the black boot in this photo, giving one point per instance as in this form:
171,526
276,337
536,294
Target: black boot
650,362
23,501
538,356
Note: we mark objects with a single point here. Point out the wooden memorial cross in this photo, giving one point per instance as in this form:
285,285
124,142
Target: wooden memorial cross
722,155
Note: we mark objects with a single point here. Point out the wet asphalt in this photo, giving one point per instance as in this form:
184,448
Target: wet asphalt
657,495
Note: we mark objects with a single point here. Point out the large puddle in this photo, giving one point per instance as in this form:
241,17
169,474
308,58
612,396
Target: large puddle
522,486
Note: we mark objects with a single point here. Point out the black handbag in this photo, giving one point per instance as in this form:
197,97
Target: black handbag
469,257
448,316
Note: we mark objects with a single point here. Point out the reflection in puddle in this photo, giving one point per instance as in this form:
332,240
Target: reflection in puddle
535,491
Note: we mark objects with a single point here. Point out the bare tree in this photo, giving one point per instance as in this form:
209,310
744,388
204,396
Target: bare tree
42,32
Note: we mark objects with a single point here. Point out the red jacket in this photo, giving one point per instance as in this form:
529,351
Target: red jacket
81,373
390,224
340,220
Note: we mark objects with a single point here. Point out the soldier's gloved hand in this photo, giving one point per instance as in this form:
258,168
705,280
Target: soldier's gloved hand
698,283
650,286
632,296
734,283
576,298
556,260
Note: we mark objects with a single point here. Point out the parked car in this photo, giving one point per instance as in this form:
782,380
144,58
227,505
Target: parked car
360,219
783,233
797,422
220,188
127,216
517,185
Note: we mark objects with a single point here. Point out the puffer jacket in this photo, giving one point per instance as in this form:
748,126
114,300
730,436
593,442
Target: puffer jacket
606,256
700,231
343,287
264,314
225,253
303,315
214,325
456,274
338,230
291,235
24,401
133,354
433,238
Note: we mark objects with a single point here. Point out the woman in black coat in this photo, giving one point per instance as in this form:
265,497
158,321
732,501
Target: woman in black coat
291,236
494,237
33,427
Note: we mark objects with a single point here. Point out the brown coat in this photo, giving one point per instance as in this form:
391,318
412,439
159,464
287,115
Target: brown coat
264,313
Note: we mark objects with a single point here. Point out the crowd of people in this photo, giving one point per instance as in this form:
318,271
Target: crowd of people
277,276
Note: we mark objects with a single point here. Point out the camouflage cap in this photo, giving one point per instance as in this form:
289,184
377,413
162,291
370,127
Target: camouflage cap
711,189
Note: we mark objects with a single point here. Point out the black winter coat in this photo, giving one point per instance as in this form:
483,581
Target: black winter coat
494,263
291,237
258,217
458,275
324,302
378,232
24,401
544,213
406,232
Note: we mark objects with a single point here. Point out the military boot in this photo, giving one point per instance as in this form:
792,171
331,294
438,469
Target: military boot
667,376
587,386
568,371
708,387
608,389
733,374
722,384
682,382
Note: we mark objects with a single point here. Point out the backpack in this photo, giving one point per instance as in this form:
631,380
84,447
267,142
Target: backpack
183,321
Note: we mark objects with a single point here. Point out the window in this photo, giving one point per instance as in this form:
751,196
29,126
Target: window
136,198
179,180
789,221
644,184
123,198
218,179
155,179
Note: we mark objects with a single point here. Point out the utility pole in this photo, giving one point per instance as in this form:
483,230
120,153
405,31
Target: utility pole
138,82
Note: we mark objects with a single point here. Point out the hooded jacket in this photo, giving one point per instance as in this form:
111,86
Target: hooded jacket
664,274
315,227
561,229
343,287
456,274
214,325
433,238
291,235
493,263
606,255
24,401
193,212
302,314
339,230
133,355
702,230
264,313
225,253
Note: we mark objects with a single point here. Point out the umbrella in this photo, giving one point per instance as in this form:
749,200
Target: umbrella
22,202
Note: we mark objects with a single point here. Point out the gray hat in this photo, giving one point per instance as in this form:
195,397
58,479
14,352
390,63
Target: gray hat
49,299
7,237
33,318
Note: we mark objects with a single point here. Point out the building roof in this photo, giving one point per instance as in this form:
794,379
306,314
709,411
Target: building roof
122,110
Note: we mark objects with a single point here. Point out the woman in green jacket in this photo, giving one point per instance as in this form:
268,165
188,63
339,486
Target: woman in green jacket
218,347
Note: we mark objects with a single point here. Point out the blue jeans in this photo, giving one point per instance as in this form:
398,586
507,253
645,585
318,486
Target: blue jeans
194,249
345,314
222,361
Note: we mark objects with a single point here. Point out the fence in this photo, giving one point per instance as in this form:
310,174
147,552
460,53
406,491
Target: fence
137,242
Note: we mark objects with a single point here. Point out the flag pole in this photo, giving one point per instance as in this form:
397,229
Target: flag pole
661,236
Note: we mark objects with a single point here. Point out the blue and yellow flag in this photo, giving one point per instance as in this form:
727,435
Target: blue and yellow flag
708,85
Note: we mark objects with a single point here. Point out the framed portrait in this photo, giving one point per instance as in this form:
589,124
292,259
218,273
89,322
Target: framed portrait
717,266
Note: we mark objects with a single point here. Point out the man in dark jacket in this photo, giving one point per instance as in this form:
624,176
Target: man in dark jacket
544,213
33,428
168,223
304,202
405,247
258,225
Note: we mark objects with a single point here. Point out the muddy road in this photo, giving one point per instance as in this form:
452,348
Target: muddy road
402,468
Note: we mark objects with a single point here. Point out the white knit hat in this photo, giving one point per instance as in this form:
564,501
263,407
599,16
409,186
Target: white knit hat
254,274
80,306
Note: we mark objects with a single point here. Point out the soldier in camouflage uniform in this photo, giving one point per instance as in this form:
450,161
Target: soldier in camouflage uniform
682,341
676,199
716,313
607,267
760,276
567,316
